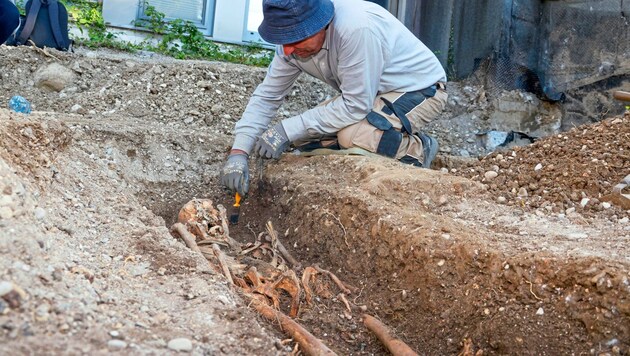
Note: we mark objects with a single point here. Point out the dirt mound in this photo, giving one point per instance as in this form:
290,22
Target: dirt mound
571,170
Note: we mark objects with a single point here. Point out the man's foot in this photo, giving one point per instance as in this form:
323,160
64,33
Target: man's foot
430,148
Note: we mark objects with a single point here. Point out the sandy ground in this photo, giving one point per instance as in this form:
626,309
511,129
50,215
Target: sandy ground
524,260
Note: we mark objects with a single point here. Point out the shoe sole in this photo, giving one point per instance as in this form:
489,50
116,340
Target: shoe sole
430,155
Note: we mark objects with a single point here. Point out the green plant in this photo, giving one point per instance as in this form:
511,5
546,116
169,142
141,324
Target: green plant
88,17
154,22
177,38
182,39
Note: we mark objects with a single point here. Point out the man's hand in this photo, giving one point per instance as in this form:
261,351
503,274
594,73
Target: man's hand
235,173
272,142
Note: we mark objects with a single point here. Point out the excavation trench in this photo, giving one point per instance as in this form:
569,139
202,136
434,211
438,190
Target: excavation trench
444,279
430,254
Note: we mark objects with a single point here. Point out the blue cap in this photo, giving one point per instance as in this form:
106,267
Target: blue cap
290,21
9,19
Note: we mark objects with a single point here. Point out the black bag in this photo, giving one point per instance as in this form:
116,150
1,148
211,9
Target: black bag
45,23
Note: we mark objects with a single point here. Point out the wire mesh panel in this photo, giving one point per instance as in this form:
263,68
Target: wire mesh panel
584,41
573,51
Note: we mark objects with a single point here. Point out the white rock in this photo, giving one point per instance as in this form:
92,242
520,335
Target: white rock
180,344
538,167
77,108
522,192
5,288
606,205
441,263
569,211
116,344
6,200
624,220
584,202
490,175
540,311
501,200
39,213
6,212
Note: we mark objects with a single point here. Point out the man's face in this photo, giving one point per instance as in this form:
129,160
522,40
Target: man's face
307,47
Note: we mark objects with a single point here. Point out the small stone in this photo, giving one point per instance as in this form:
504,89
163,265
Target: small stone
486,311
12,294
490,175
363,308
584,202
161,271
6,200
5,288
180,344
569,211
6,212
189,120
522,192
501,200
216,109
540,311
442,200
441,263
115,334
538,167
116,345
624,220
76,108
500,157
42,312
606,205
40,213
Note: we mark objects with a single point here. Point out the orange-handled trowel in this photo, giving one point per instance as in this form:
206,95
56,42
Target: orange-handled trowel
237,209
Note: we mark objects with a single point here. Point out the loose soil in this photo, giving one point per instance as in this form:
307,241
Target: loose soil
117,143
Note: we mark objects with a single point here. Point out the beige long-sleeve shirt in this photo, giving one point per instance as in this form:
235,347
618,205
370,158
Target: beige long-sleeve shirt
366,52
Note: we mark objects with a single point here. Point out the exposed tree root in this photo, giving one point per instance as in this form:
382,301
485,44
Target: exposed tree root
382,332
309,344
346,289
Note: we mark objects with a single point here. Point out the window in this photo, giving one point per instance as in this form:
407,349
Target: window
190,10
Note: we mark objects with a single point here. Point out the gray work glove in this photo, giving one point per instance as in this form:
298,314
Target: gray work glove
272,142
235,173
